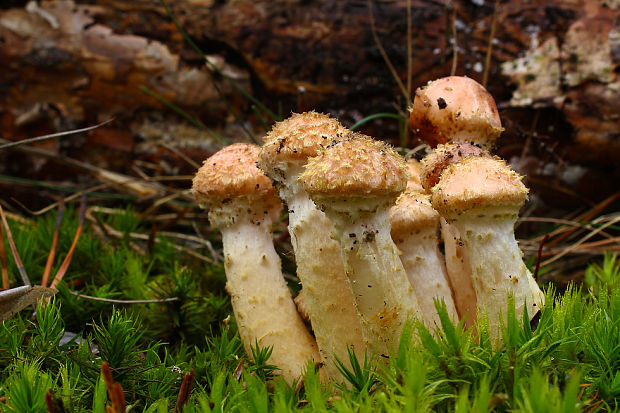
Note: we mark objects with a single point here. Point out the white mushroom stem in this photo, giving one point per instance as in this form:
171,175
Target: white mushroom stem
326,289
261,300
497,264
355,182
424,265
384,297
458,269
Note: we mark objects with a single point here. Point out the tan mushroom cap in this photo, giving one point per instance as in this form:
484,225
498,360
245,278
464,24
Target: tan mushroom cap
439,159
299,137
230,173
477,182
356,167
455,109
413,211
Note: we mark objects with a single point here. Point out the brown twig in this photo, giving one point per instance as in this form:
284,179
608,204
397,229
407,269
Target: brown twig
144,237
18,261
163,201
184,391
130,184
65,200
50,258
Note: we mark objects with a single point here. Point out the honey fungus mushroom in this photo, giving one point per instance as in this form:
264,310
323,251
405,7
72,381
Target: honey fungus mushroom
327,296
414,230
481,197
355,181
243,204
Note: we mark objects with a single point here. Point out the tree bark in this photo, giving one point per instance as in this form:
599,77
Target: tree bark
553,71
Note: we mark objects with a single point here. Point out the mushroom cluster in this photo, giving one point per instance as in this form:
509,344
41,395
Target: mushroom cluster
365,226
479,198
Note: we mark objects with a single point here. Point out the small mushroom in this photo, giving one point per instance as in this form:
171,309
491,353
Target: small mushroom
327,296
481,197
414,230
355,181
243,205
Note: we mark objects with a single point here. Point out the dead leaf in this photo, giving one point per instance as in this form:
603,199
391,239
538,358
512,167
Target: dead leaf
16,299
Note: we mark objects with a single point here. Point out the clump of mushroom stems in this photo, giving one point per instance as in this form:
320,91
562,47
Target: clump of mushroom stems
327,297
356,182
459,113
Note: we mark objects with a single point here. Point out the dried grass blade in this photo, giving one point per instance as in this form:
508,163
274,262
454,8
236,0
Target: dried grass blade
538,257
455,47
5,271
50,258
115,391
581,241
54,135
65,264
487,60
586,216
18,261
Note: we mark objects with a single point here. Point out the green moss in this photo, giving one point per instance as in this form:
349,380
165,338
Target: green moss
569,363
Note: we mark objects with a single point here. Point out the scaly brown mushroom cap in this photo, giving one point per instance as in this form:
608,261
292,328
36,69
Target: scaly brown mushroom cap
231,173
441,157
356,167
455,109
298,138
477,182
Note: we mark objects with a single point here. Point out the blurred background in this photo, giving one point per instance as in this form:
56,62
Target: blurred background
176,81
